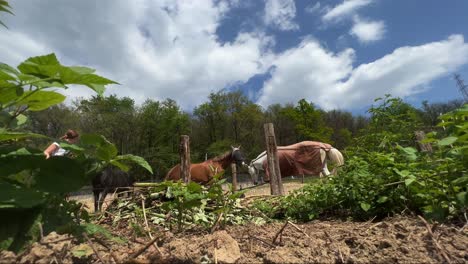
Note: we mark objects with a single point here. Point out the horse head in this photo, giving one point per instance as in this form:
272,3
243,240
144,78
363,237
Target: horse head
237,156
253,173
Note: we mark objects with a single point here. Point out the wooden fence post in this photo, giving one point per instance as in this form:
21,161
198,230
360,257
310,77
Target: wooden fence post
184,153
276,184
234,176
424,147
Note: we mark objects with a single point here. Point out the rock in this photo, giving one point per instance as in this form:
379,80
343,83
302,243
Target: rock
227,250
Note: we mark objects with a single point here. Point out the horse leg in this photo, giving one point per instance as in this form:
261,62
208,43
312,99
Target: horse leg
323,155
96,200
104,193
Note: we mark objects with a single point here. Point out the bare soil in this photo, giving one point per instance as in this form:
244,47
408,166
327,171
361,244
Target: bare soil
393,240
401,239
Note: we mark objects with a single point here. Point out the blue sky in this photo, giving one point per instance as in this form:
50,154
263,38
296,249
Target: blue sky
337,54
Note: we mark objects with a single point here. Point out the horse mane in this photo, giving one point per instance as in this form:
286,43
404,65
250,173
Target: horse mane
222,156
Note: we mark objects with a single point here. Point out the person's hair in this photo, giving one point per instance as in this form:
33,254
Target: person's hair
71,134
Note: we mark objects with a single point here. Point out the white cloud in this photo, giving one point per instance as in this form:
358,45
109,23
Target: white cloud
312,9
367,31
169,49
155,49
344,10
329,80
281,14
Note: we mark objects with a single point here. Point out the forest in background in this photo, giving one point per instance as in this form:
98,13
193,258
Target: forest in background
152,129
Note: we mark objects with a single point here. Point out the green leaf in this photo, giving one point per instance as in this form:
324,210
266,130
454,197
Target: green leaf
7,68
365,206
13,196
21,119
4,9
410,180
403,173
382,199
408,152
93,140
135,159
447,141
82,250
106,152
104,149
92,229
120,165
6,135
8,93
40,100
98,88
462,198
82,70
60,175
5,76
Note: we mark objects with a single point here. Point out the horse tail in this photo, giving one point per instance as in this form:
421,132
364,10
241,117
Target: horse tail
336,157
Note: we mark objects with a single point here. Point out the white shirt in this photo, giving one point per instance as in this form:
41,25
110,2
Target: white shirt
60,151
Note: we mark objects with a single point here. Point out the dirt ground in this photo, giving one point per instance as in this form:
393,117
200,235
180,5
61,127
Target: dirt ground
402,239
393,240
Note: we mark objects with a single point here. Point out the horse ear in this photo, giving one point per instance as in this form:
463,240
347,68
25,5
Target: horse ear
232,147
239,147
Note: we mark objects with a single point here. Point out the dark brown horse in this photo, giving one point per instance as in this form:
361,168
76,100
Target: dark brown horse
204,172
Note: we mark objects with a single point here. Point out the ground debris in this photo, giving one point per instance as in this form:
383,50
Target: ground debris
393,240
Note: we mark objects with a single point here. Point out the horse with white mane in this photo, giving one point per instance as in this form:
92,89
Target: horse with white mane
303,158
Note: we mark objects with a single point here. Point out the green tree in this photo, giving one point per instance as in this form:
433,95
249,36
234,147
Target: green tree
280,116
310,123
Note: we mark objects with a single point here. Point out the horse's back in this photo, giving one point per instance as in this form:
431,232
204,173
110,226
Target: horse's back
112,178
173,174
199,172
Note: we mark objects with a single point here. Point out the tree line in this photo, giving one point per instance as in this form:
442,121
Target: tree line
152,129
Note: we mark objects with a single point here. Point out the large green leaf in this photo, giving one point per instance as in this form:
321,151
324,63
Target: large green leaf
8,93
40,100
7,68
60,175
7,135
12,196
106,152
49,67
447,141
135,159
6,76
120,165
82,70
408,152
104,149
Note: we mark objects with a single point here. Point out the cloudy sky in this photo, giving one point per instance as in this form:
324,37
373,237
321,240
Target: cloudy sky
337,54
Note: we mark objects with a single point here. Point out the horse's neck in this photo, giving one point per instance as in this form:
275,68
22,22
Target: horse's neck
224,161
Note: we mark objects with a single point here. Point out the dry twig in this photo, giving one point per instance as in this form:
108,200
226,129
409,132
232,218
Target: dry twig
263,241
339,250
298,229
132,257
438,246
114,257
146,224
213,228
280,231
92,246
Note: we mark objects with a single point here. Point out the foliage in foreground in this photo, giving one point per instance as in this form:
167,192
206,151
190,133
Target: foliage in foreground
184,205
390,176
33,188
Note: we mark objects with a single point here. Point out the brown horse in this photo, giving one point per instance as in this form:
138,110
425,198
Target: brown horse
204,172
307,157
